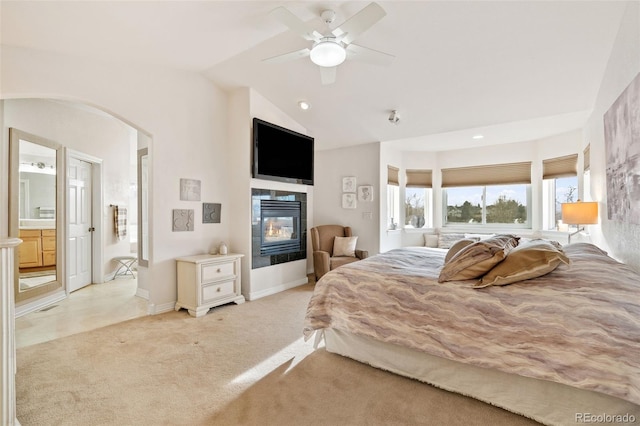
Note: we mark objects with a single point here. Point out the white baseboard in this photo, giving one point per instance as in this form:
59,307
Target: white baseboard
40,303
141,292
153,309
277,289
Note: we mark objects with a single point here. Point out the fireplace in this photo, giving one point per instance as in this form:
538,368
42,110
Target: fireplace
279,227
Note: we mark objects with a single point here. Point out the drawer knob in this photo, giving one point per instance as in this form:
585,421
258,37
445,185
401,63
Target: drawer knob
219,270
218,289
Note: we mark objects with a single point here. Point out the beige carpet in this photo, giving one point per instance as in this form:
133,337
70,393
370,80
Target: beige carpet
237,365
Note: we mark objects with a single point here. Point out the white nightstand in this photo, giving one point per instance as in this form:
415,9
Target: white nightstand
208,280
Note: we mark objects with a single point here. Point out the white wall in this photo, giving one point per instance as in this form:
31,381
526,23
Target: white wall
186,117
100,136
331,166
621,240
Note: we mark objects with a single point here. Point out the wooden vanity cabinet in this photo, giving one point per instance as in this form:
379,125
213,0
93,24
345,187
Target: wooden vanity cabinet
38,248
30,251
48,247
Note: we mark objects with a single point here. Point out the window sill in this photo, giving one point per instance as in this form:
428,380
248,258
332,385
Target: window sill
419,230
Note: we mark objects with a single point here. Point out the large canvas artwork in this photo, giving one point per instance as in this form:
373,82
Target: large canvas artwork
622,150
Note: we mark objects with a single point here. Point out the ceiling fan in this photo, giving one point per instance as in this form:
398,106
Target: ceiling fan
333,48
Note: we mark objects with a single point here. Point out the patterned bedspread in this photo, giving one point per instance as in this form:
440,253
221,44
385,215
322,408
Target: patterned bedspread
579,325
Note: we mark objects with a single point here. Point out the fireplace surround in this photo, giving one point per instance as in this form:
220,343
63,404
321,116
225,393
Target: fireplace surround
278,227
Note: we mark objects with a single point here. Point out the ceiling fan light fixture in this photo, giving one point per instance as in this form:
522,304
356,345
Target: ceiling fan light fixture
328,53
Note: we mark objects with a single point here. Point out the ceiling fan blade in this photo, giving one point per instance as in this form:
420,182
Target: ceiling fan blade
291,56
360,22
328,74
364,54
295,24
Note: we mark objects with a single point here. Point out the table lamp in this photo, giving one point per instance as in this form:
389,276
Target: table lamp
579,213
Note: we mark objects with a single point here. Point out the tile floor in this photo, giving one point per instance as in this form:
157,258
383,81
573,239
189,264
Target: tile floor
91,307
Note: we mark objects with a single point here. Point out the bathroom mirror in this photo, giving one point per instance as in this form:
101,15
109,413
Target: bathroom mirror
34,213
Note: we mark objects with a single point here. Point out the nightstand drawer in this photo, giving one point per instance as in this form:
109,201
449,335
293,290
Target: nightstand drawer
216,291
214,272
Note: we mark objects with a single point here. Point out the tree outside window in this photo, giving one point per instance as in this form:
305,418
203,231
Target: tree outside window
495,204
415,207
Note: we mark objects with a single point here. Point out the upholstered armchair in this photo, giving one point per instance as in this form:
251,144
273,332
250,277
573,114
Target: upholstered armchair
323,242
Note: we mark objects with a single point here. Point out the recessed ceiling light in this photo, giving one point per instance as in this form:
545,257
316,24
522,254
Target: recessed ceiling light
304,105
477,137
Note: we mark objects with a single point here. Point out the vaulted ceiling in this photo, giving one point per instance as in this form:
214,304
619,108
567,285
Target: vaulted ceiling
510,70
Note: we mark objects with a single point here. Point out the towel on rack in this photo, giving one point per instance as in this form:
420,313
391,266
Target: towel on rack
120,222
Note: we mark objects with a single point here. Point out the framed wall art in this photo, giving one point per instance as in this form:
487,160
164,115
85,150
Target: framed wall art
182,220
365,193
211,212
622,151
349,184
189,190
349,201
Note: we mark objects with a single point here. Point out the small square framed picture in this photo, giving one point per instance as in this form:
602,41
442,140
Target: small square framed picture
365,193
349,201
349,184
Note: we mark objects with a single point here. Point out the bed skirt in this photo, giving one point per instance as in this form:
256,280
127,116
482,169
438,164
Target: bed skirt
544,401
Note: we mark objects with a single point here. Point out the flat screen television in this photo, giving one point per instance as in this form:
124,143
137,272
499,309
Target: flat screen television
281,154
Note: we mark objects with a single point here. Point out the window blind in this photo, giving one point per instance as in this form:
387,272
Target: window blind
497,174
419,178
560,167
587,158
392,175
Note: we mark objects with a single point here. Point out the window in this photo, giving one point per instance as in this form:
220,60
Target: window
417,198
485,195
586,177
490,204
558,191
393,211
560,185
416,207
393,197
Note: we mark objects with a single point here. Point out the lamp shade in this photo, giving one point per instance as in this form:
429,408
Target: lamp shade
580,213
328,53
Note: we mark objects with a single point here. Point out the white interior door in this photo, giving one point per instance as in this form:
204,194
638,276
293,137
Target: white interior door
79,244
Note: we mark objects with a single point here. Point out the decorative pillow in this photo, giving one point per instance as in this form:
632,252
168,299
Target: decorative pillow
430,240
479,237
476,259
445,241
457,246
529,260
344,246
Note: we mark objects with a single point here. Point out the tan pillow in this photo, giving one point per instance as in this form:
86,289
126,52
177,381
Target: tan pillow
457,246
477,259
430,240
344,246
529,260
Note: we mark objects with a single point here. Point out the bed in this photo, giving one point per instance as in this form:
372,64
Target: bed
562,348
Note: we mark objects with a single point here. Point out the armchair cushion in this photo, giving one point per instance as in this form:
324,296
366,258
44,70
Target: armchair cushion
344,246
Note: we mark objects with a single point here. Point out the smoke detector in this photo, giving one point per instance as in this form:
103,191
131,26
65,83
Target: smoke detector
328,16
394,117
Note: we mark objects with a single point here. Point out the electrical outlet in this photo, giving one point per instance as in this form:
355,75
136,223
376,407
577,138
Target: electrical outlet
367,215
